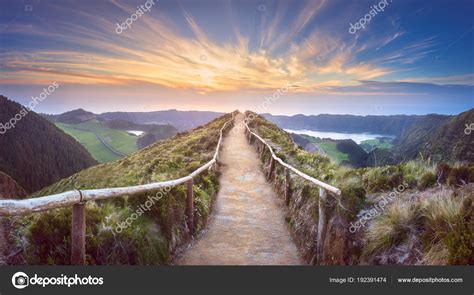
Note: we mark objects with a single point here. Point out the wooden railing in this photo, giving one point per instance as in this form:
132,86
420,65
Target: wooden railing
78,198
324,188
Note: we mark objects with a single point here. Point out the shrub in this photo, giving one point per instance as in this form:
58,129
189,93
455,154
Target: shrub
442,171
48,238
427,180
458,176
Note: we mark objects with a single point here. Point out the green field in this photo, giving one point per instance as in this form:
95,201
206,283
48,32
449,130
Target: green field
85,133
329,148
379,142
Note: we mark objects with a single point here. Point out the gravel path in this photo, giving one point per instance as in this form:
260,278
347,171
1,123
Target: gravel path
247,226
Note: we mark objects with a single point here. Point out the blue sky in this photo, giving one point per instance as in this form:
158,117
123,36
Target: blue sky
414,57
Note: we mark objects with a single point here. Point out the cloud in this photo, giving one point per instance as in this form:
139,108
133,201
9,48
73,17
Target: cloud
157,50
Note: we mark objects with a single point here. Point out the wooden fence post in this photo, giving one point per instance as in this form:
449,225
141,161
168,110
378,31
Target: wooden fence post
78,234
271,168
287,186
321,225
190,206
262,151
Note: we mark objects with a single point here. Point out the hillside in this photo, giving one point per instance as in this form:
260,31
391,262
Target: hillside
440,138
103,143
35,153
9,188
156,234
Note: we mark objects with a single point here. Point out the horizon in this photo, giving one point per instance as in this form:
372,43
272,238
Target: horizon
242,111
410,58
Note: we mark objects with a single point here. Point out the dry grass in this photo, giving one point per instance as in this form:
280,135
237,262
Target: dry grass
447,235
393,227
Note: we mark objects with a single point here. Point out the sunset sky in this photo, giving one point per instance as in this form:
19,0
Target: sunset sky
415,57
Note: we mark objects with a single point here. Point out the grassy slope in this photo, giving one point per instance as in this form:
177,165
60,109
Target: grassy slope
91,143
85,134
330,147
381,143
154,235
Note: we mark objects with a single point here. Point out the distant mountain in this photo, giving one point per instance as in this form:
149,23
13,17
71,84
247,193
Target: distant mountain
35,153
439,137
75,117
384,125
183,120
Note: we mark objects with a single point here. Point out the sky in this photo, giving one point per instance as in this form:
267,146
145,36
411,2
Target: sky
280,57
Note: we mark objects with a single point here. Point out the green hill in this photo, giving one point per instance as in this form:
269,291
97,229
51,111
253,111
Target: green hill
92,135
439,137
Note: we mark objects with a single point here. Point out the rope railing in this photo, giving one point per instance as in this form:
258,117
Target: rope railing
78,198
324,188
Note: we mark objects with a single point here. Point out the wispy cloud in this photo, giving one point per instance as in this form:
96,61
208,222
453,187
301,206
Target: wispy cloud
179,52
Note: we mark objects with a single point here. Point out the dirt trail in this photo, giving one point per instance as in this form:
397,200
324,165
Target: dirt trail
248,225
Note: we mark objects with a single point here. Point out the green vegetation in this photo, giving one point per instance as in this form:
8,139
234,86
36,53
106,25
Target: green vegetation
90,141
379,142
329,147
439,138
154,236
86,133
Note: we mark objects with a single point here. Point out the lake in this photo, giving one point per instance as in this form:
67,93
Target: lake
357,137
135,132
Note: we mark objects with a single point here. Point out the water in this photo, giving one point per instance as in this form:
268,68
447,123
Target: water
357,137
135,132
